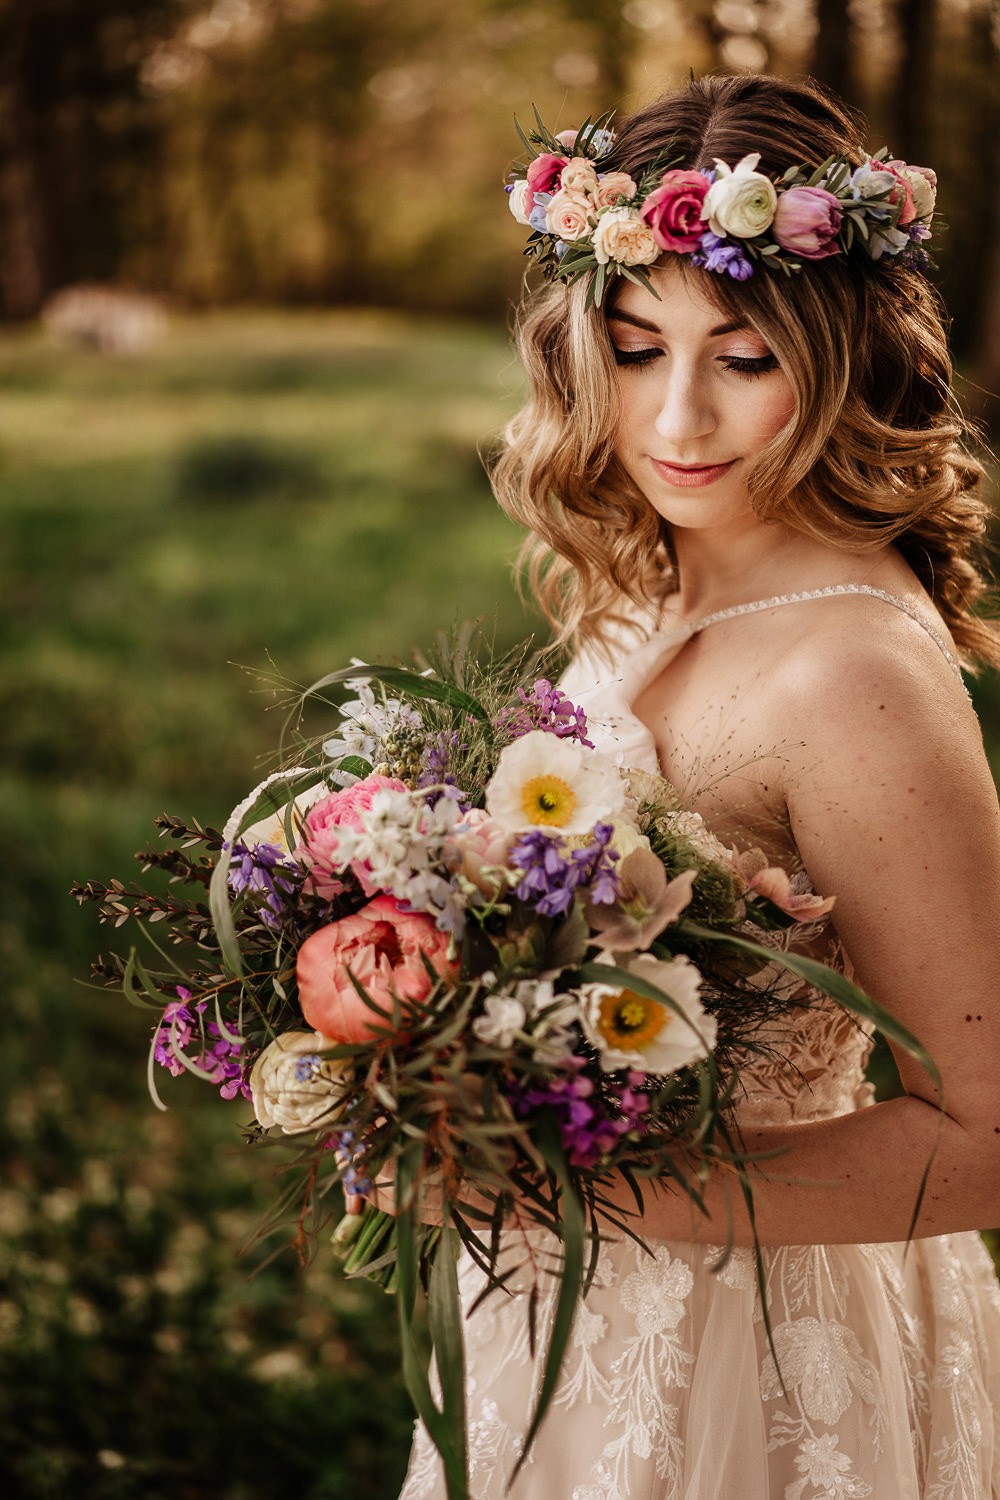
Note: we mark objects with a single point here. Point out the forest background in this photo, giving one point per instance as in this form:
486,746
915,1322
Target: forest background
255,437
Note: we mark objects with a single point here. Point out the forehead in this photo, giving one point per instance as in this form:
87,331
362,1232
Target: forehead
679,294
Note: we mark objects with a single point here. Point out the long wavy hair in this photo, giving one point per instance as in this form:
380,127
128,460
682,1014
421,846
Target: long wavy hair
874,452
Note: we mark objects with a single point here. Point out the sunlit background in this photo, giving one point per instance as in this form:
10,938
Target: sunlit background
256,269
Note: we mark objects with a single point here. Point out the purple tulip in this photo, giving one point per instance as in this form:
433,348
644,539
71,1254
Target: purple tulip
807,222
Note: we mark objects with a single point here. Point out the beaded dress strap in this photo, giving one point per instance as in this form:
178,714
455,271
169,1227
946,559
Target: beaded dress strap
832,591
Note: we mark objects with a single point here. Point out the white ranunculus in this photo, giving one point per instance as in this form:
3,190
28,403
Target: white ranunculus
741,201
295,1087
553,784
630,1030
515,200
622,236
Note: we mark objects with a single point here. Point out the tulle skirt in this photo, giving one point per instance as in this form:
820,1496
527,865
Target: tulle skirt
886,1385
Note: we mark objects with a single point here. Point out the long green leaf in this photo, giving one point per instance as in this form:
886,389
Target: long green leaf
222,915
414,1371
830,983
414,684
570,1280
445,1318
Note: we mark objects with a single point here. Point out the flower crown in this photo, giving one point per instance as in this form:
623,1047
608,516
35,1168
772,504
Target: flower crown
586,222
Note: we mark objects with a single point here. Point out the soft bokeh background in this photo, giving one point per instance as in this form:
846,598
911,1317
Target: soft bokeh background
255,271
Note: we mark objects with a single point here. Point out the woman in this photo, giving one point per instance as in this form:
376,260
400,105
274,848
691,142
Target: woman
762,523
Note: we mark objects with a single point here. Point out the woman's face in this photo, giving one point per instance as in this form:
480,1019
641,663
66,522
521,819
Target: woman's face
701,396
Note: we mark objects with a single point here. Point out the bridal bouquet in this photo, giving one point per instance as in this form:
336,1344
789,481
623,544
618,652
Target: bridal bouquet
456,947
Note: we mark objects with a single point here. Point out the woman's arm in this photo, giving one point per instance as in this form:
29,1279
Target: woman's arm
893,809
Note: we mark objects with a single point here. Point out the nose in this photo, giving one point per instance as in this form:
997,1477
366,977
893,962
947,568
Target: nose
686,410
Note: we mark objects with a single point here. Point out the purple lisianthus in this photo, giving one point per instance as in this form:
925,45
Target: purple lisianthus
552,872
590,1124
214,1053
547,708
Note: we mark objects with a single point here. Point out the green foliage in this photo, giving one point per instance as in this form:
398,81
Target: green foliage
140,1356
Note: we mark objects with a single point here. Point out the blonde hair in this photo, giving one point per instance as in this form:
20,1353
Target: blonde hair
872,455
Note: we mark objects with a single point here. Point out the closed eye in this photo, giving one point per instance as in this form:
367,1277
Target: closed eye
636,358
741,364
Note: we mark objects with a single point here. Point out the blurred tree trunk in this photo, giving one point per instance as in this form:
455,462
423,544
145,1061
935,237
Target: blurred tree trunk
912,93
832,60
985,353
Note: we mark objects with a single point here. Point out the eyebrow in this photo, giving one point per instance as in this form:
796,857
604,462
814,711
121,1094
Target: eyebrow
714,333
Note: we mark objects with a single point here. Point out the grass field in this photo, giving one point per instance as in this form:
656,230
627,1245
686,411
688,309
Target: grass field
298,489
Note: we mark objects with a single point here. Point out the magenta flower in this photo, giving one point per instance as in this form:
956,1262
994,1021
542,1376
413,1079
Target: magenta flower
544,176
807,222
673,211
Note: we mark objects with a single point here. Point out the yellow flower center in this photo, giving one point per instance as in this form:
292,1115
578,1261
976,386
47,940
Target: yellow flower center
630,1021
548,800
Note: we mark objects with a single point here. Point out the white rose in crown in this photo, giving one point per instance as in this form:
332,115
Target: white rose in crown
295,1087
923,186
515,201
741,201
623,237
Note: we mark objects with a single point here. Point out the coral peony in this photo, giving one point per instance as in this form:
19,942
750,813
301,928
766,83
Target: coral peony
386,950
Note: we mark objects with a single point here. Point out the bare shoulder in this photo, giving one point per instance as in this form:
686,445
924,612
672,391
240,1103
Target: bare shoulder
860,671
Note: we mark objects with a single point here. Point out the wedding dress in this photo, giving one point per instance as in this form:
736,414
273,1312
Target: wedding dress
887,1383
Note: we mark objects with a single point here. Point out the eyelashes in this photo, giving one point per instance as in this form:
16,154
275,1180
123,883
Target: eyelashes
737,364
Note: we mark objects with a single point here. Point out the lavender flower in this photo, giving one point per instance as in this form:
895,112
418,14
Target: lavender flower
552,872
184,1023
546,708
720,254
436,761
266,871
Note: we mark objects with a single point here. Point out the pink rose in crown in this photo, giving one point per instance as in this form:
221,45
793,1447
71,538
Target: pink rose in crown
543,176
612,187
568,215
673,211
807,221
317,849
567,138
386,950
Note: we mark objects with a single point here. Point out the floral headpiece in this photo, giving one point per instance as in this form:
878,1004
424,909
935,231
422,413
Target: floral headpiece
730,219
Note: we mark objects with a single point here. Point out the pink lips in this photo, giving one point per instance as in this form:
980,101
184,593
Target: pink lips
691,476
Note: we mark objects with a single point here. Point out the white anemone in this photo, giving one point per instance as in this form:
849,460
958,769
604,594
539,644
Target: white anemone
553,784
631,1030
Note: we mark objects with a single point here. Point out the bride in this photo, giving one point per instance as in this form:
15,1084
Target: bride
760,526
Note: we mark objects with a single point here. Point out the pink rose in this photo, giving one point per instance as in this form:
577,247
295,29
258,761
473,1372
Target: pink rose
386,950
483,844
807,221
567,138
318,847
903,193
673,211
543,177
579,175
612,186
568,215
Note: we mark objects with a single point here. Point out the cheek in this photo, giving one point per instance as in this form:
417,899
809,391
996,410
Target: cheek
777,409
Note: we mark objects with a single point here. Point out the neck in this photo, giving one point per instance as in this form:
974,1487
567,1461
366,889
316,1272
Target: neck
747,560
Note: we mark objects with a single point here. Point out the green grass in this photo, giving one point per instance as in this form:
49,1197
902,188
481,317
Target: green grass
296,489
